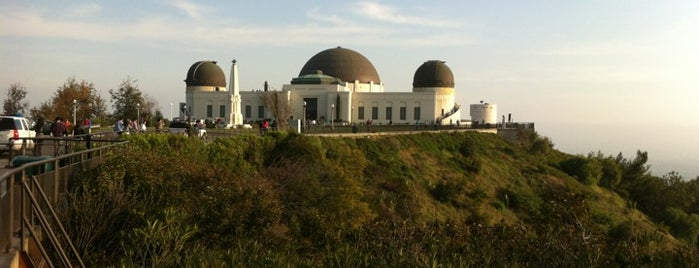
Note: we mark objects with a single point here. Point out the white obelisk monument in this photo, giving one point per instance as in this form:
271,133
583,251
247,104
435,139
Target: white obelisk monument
235,117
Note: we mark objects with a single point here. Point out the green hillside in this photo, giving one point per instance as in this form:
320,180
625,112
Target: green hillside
447,199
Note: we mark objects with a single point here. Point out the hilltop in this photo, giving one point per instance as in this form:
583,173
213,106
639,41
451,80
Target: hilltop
448,199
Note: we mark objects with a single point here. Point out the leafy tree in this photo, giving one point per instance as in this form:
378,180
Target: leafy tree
634,169
44,110
15,102
81,95
129,101
611,172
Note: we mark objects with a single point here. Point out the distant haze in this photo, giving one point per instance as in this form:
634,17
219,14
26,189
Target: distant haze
669,147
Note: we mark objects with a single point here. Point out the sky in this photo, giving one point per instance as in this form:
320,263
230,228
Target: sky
613,76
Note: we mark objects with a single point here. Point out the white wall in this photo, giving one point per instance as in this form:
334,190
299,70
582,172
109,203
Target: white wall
484,113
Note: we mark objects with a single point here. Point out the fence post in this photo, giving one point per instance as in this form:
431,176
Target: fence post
9,153
88,144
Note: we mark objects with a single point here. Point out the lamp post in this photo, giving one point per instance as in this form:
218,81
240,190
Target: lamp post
305,121
138,113
75,108
351,119
332,116
170,111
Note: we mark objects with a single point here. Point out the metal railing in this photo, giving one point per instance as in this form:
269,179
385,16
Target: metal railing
55,146
28,194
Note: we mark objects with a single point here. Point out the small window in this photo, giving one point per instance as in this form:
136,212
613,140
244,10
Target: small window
416,113
248,111
360,113
389,113
375,113
7,123
260,111
209,111
403,113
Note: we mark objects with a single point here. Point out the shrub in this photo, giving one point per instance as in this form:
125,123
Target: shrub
585,170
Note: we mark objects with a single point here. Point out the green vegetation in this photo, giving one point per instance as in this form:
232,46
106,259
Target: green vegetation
449,200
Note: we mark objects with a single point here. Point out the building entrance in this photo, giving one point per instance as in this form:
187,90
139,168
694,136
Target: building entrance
311,108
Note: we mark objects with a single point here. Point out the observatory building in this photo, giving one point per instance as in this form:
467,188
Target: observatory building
336,84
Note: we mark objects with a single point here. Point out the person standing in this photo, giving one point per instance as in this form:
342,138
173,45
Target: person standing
134,126
119,126
200,128
59,128
87,124
159,127
265,127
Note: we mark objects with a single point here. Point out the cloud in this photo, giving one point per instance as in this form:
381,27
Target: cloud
389,14
85,11
599,49
161,29
193,10
316,15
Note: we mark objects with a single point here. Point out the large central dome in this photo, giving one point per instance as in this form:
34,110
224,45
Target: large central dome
346,64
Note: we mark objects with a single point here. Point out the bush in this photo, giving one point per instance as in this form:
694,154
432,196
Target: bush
586,170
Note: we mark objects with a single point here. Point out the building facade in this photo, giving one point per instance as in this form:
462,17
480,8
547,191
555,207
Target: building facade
336,84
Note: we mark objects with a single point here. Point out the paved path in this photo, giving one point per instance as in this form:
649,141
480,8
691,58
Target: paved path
4,157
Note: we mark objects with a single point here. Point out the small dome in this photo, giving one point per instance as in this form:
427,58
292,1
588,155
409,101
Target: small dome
205,73
433,73
345,64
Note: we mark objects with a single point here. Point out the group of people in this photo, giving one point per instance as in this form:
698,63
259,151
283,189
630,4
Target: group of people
130,126
60,127
133,126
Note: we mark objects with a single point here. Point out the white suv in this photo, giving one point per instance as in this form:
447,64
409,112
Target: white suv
12,128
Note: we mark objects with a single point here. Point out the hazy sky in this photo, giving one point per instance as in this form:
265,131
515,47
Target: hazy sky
550,62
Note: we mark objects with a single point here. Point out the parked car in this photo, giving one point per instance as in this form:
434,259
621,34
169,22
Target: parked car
12,129
46,128
179,127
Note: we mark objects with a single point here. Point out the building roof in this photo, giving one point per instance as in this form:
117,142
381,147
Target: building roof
205,73
345,64
317,79
433,73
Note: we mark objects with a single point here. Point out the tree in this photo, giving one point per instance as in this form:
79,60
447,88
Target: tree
81,96
278,104
15,102
149,110
129,101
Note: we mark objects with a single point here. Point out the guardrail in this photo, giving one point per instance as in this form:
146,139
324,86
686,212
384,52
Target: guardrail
27,196
55,146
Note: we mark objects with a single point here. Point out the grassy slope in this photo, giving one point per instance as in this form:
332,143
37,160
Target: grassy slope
424,162
428,177
303,193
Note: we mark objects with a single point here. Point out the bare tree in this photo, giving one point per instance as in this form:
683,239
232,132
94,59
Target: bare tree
149,109
15,102
277,103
